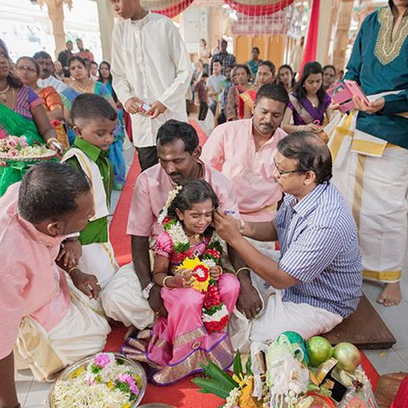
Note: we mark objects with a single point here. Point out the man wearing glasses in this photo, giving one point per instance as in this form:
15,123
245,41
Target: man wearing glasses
319,274
243,150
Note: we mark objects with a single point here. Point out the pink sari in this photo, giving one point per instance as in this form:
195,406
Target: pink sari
178,344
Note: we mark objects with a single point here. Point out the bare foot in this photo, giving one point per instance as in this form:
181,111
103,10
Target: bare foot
391,294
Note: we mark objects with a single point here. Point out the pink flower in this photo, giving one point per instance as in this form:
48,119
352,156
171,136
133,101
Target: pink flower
130,381
102,360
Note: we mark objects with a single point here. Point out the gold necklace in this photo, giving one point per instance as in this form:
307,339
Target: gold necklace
81,88
3,94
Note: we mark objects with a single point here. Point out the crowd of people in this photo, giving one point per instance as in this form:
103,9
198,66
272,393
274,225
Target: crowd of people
289,203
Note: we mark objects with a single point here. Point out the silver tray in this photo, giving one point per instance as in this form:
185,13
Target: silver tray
135,366
50,154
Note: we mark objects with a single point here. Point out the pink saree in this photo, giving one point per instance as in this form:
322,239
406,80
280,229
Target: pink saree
178,344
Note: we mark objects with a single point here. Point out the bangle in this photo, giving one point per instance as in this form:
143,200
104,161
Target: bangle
164,282
50,140
70,270
244,268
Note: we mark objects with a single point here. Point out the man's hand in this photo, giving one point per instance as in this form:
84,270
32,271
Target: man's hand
249,302
372,107
132,105
156,109
70,253
156,302
226,226
86,283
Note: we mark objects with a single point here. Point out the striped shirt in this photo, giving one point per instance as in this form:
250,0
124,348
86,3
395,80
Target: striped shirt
319,247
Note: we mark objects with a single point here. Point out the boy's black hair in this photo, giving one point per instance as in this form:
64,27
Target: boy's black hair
89,106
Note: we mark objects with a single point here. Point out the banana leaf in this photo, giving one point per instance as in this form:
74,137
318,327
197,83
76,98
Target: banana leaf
237,367
216,373
248,366
209,386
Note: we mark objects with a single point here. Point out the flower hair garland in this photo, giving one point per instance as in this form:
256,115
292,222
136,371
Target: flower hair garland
170,198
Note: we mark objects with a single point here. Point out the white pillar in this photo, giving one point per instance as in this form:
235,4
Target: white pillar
105,16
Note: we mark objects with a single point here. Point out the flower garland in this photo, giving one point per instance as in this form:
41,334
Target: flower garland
103,383
215,314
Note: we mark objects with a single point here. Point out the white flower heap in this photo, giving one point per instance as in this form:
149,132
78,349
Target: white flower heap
103,383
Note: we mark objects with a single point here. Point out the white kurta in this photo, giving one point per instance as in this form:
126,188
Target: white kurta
150,61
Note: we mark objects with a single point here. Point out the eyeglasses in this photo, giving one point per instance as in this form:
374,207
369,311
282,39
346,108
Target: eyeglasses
283,172
27,69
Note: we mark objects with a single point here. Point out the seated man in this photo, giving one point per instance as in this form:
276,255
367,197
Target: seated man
244,150
47,330
132,297
319,275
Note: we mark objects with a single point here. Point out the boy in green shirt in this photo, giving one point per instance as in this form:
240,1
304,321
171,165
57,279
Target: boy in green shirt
94,122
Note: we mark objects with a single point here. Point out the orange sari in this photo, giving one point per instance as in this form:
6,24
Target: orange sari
51,101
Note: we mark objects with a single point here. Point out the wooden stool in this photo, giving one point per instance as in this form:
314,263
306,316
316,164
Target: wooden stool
364,328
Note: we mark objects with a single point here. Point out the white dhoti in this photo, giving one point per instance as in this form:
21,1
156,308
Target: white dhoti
81,333
99,259
122,299
302,318
372,175
240,326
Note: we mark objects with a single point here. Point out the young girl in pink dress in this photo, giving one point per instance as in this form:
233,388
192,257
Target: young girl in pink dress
188,336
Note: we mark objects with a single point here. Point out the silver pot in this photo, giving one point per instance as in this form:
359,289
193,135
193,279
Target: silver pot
65,375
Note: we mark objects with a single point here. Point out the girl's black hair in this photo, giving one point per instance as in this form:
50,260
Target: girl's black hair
192,192
100,79
12,79
311,68
286,66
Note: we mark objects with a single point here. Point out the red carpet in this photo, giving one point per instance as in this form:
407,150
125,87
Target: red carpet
183,394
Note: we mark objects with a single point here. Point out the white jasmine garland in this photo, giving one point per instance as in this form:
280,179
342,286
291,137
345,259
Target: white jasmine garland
217,316
172,195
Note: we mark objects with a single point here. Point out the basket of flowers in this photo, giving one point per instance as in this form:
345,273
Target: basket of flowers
17,149
106,380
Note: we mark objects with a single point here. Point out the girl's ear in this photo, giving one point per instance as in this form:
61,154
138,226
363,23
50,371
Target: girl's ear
179,214
77,130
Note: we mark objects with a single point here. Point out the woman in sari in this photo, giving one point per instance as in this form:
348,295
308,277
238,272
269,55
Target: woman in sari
28,70
254,63
116,149
286,78
235,106
308,108
21,114
82,83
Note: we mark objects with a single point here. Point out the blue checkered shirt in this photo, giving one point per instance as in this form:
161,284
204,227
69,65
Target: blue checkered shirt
319,247
228,60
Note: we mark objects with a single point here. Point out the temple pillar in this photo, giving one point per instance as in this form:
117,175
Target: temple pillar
341,36
56,15
106,22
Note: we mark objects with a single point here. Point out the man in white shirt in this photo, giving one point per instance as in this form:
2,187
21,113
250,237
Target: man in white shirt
215,85
150,64
44,60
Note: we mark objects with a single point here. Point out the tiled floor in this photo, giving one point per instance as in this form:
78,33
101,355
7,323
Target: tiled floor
33,394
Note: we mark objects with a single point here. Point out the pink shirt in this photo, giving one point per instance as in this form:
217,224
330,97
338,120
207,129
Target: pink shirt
31,283
150,195
231,149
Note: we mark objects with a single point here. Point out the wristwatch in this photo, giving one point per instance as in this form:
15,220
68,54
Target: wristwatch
146,290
